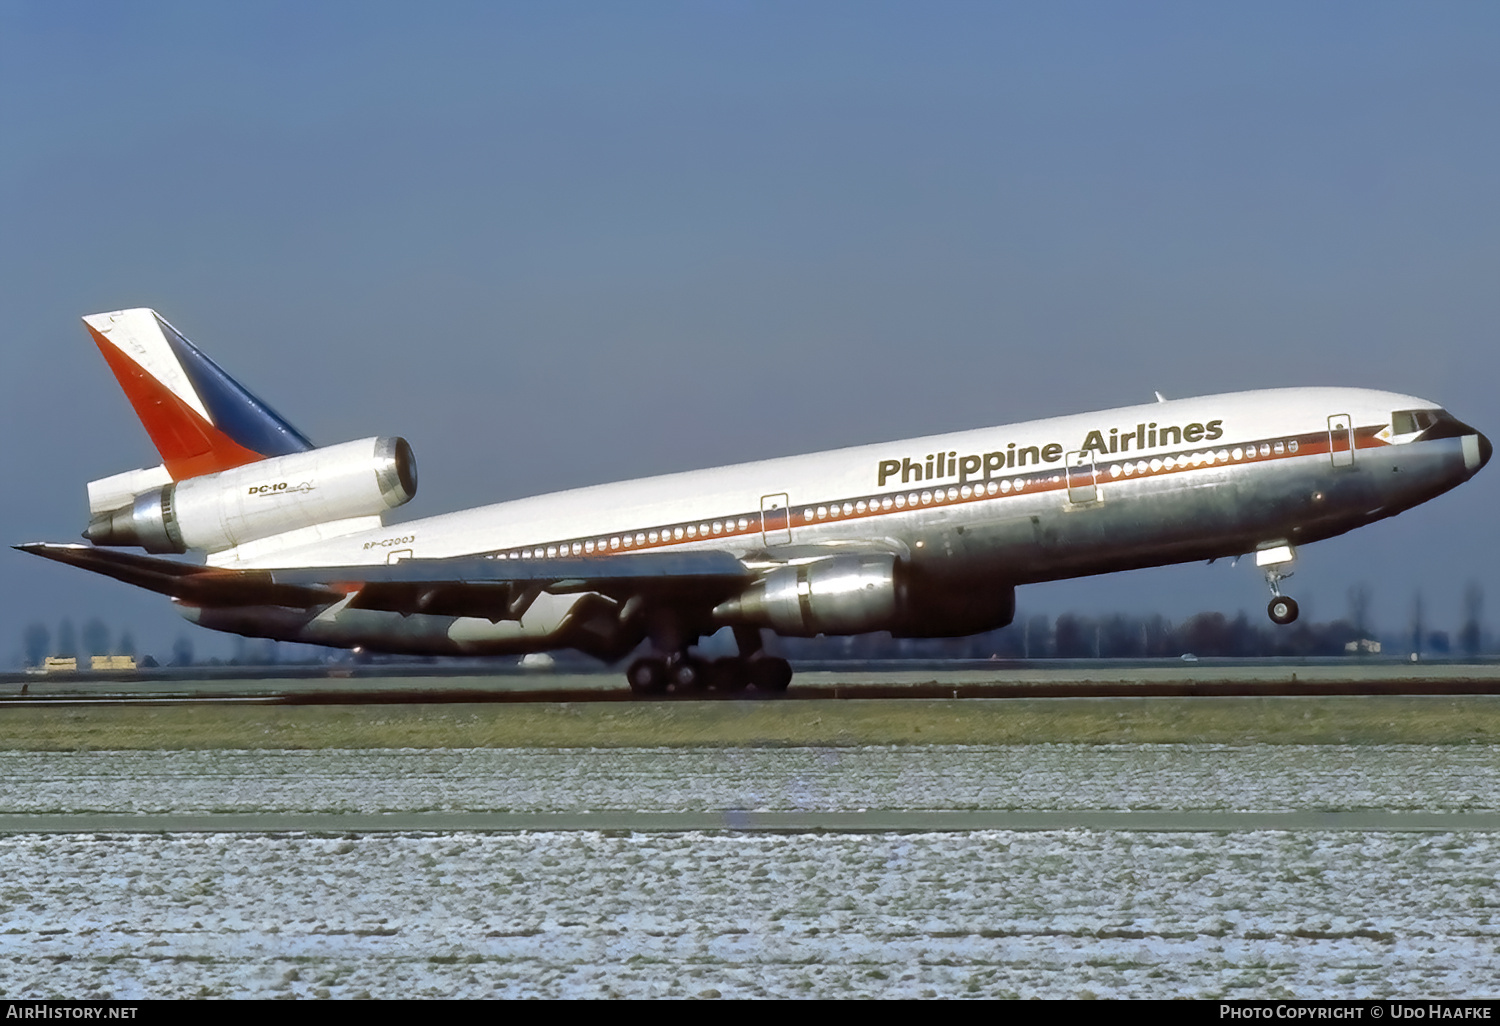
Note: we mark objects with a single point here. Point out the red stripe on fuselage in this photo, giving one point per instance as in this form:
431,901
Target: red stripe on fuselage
1032,480
189,445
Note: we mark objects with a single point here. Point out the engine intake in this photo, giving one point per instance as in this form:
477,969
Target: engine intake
219,511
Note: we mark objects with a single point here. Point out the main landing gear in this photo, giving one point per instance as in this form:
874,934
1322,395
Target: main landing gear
656,675
1274,561
681,672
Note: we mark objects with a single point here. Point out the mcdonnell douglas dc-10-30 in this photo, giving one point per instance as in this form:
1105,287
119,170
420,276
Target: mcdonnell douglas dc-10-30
924,538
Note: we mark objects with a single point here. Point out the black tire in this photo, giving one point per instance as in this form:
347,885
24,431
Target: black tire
729,675
770,674
1282,610
688,674
647,676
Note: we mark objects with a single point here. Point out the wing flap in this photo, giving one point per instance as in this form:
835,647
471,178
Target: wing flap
503,589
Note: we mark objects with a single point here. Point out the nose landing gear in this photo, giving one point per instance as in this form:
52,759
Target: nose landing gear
1282,608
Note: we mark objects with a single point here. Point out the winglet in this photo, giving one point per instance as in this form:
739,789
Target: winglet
200,419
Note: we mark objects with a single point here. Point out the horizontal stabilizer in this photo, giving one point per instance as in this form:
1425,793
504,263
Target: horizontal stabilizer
197,585
495,589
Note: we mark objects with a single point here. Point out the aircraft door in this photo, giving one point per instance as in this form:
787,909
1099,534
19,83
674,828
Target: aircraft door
1083,485
1341,440
776,519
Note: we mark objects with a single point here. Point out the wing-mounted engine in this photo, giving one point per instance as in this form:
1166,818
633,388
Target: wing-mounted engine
219,511
855,594
845,594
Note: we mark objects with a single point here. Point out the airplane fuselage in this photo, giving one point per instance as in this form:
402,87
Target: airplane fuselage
966,516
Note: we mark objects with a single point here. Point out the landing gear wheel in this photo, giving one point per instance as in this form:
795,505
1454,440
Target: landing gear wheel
647,676
1282,610
770,674
730,675
688,674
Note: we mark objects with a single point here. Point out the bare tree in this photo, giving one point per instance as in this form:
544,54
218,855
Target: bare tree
1037,639
95,638
35,641
1359,608
182,651
1470,637
67,639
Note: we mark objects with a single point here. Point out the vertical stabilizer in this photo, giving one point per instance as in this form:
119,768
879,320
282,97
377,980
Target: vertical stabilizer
201,420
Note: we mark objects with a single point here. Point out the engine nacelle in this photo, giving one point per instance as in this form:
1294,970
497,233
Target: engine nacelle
839,595
855,594
219,511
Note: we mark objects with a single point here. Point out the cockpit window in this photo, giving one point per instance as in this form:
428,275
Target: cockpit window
1433,424
1406,422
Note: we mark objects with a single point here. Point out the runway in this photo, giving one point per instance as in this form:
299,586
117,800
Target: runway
1096,679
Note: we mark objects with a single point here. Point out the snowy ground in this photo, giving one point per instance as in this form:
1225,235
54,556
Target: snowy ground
1030,777
585,913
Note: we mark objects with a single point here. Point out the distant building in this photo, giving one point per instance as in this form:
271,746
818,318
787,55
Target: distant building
115,662
1364,646
60,664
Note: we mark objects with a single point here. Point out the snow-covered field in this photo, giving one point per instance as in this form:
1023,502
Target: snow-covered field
585,913
1030,777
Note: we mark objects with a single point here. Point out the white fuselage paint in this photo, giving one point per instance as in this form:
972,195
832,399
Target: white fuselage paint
1160,483
819,480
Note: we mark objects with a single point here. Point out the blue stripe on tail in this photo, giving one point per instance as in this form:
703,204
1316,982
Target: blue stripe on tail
236,412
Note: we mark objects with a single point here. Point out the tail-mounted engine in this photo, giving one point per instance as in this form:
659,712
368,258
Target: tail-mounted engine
855,594
219,511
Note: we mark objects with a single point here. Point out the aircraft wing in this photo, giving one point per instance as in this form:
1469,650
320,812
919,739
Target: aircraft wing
496,589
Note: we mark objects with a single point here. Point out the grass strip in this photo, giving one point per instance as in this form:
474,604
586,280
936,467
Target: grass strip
841,723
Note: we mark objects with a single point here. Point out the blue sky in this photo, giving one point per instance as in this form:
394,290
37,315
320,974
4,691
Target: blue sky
557,244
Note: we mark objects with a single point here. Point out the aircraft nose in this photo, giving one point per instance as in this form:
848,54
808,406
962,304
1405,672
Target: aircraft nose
1486,450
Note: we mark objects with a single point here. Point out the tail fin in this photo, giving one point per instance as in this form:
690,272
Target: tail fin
200,419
